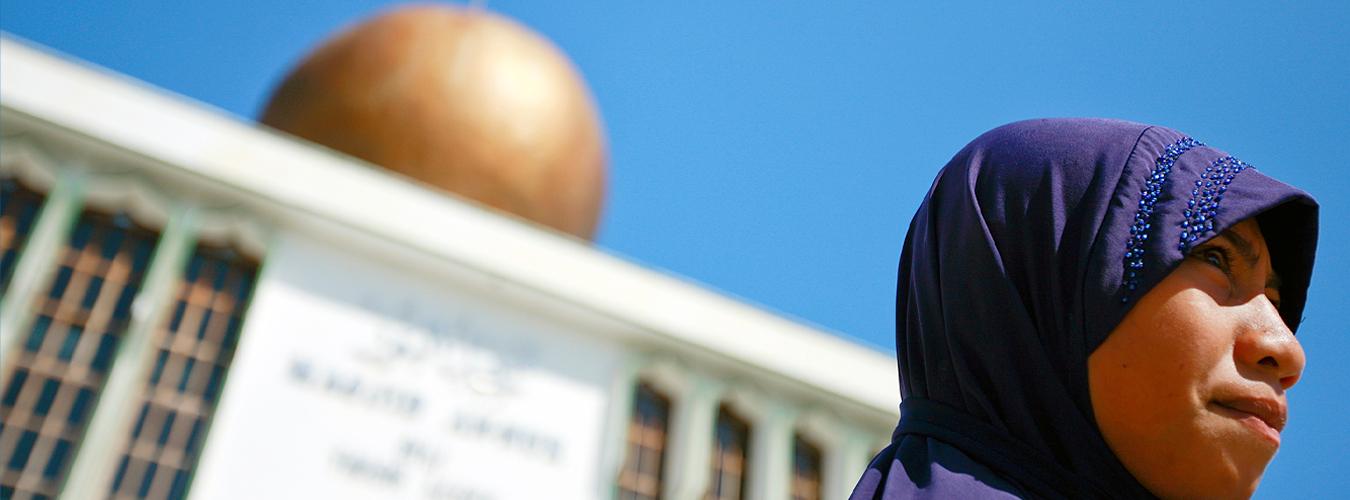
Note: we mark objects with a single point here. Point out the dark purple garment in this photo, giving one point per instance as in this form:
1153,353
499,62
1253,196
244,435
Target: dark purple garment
1032,244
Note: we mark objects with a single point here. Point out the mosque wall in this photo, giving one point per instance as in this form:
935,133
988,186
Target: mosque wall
388,385
224,320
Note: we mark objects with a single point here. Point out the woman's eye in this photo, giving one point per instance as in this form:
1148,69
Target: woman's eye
1216,257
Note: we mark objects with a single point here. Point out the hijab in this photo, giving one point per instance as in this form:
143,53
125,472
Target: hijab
1030,247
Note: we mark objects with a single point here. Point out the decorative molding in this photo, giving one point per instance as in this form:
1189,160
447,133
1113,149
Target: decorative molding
28,164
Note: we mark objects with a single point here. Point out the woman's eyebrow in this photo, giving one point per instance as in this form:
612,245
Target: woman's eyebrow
1248,253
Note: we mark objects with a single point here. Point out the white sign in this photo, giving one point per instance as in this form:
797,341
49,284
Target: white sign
356,379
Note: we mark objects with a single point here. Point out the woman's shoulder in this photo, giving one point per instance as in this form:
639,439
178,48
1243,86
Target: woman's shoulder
920,467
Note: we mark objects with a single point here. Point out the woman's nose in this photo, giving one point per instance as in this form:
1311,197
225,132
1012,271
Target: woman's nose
1269,349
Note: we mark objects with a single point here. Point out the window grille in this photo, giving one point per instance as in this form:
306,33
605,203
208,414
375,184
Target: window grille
640,478
195,346
18,209
729,457
59,370
805,470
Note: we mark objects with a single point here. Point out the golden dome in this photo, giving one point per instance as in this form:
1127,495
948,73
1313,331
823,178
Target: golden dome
461,99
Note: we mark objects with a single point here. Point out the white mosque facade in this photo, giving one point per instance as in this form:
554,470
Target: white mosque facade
198,307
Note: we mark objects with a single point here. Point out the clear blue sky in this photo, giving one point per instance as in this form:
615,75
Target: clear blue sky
776,152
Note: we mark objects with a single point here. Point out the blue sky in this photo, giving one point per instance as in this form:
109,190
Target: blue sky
777,152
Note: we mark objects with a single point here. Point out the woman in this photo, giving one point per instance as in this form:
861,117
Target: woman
1095,309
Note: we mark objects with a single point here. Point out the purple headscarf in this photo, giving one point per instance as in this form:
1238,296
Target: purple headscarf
1032,244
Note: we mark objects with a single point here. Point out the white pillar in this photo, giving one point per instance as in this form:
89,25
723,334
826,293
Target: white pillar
688,466
846,457
38,261
770,472
619,417
110,426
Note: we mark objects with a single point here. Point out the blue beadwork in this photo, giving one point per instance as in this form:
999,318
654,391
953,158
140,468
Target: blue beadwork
1148,198
1205,197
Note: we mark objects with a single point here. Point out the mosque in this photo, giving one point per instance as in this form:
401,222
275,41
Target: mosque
385,289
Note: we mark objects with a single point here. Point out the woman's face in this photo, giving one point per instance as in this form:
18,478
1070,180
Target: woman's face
1190,389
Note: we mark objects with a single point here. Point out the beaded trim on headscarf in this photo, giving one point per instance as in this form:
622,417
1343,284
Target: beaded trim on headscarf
1205,198
1134,247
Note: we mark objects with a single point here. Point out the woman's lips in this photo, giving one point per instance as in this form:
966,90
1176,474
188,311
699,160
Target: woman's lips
1264,416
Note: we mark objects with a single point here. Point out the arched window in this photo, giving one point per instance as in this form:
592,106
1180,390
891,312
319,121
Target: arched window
732,439
63,361
805,470
640,478
195,347
18,209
